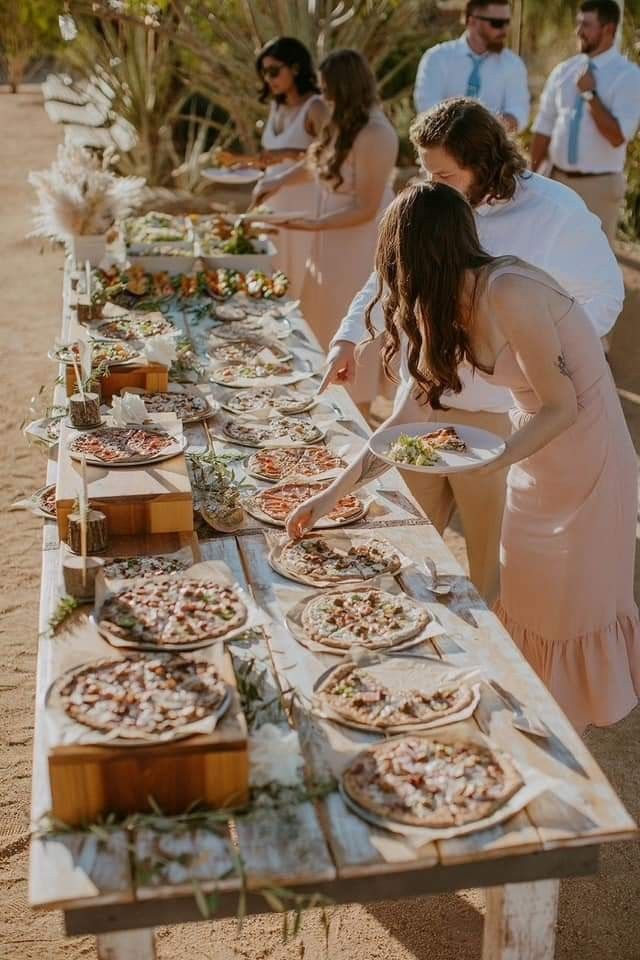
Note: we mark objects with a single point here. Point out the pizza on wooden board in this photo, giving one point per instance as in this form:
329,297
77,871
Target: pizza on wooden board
280,462
143,694
170,612
122,444
279,502
364,617
136,326
354,694
318,561
425,782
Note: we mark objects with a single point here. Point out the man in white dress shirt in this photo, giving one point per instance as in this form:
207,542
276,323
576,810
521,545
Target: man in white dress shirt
477,65
516,212
589,111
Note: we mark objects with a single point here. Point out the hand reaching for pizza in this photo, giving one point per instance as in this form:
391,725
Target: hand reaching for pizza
302,519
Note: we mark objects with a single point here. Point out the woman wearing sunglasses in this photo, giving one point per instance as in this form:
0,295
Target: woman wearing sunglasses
569,524
352,163
297,114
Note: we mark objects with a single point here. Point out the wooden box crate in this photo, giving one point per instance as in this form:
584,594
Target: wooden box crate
89,782
148,376
155,498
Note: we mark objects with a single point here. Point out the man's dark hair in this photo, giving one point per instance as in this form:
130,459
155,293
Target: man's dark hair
608,10
473,5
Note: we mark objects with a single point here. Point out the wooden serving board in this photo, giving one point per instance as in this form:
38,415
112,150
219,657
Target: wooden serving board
88,782
151,498
145,376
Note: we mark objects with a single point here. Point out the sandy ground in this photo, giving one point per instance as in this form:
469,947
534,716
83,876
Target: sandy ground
598,916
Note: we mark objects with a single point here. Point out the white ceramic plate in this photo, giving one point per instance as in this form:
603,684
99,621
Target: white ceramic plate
238,176
482,447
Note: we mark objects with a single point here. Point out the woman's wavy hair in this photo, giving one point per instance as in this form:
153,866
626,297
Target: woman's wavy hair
477,141
351,86
426,243
292,53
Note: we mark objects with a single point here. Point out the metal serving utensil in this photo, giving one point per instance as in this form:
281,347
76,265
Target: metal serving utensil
522,717
442,589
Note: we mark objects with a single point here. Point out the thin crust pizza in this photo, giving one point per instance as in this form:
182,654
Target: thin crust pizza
113,353
276,504
446,438
295,429
127,568
171,612
280,462
46,500
257,370
136,326
314,560
366,617
122,445
187,407
265,398
242,351
143,695
355,695
425,782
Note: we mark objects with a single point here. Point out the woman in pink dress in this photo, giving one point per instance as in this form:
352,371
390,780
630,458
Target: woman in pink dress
297,114
568,536
352,163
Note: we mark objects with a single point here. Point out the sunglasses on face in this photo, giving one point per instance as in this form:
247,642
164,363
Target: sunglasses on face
271,72
496,22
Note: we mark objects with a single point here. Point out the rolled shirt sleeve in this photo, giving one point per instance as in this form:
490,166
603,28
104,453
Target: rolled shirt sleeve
517,101
353,326
625,105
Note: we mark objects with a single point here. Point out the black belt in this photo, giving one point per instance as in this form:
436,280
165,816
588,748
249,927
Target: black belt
578,173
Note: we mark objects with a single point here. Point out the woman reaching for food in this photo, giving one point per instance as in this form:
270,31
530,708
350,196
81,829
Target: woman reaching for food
568,534
352,163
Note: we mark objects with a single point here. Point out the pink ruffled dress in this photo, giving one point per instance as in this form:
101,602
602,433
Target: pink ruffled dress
568,535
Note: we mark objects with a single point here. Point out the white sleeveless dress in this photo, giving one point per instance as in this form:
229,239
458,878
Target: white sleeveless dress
293,247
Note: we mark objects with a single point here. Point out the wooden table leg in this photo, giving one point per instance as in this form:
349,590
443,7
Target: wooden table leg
126,945
520,922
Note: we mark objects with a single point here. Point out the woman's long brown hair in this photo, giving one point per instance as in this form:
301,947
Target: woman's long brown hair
426,243
351,87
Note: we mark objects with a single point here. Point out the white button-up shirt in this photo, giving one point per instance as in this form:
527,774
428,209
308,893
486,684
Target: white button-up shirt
549,226
617,81
444,72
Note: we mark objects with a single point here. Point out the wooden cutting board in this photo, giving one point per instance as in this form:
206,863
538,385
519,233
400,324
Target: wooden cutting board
152,498
89,782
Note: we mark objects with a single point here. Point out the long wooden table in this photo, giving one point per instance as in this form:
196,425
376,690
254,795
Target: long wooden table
322,847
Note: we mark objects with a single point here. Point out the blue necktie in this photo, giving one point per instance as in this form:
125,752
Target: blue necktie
473,83
576,120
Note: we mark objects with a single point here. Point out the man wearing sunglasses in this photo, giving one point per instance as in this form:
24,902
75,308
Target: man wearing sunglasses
479,65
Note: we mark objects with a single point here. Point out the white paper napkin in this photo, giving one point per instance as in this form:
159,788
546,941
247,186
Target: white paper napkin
161,349
128,409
